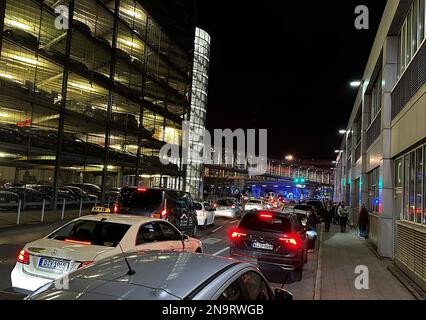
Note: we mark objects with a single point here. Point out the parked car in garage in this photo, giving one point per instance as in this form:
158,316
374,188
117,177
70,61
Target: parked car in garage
85,240
147,276
79,194
89,188
30,197
8,200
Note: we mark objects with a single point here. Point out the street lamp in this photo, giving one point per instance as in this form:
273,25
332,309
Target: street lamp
289,158
342,131
356,84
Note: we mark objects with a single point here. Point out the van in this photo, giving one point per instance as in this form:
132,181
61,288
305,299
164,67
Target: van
174,206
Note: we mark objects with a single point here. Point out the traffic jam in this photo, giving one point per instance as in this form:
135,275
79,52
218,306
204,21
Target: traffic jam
159,244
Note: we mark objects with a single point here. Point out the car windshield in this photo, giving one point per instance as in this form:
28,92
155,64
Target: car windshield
255,202
198,206
145,199
302,207
257,222
98,233
226,203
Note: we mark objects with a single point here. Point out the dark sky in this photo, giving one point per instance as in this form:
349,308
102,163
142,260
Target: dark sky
285,66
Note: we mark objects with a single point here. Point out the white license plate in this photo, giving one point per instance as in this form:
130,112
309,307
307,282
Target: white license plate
56,265
263,246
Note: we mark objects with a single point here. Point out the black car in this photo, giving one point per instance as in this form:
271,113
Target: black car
175,206
79,194
319,207
30,197
8,200
273,240
88,188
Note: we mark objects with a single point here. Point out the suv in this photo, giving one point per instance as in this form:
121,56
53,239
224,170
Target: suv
174,206
271,239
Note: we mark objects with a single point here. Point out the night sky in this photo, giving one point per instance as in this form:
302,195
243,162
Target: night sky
286,66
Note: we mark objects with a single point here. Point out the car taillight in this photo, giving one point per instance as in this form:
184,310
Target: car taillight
23,257
142,189
85,264
266,216
116,208
237,234
164,214
292,241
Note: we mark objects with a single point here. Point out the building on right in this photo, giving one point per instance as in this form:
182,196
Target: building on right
383,153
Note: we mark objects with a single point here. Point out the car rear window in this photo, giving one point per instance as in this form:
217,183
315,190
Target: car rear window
303,207
98,233
143,200
255,222
226,203
255,202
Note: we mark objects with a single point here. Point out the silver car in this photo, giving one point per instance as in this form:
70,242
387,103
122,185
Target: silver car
158,275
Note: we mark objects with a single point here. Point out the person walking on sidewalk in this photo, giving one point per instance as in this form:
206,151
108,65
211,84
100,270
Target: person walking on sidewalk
328,217
311,226
343,212
363,222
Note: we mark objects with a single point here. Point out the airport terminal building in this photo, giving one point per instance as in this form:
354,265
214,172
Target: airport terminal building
382,159
90,90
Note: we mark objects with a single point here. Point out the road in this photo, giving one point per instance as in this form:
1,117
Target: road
214,239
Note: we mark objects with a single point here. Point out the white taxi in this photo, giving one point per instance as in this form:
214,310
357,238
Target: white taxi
88,239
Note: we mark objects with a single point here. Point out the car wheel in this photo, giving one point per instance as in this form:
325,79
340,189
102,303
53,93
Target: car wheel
198,250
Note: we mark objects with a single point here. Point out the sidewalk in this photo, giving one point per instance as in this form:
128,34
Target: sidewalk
341,254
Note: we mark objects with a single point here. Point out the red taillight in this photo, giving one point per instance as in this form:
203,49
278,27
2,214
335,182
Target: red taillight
291,241
116,208
164,214
85,264
86,243
266,216
23,257
237,234
142,189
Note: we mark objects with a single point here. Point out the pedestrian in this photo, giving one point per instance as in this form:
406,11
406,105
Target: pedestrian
343,212
328,217
363,222
311,226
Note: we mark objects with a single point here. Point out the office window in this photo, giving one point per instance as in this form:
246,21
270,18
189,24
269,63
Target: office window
419,185
373,194
406,187
376,98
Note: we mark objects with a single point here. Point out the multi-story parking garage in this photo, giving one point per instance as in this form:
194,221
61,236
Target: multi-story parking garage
93,102
383,152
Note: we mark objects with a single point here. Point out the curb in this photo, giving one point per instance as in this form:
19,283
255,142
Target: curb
406,281
318,276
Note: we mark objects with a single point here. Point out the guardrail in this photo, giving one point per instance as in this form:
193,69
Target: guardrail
14,212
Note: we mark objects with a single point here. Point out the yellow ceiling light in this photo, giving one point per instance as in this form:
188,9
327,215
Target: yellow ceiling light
7,76
132,13
128,43
81,86
17,24
4,115
26,60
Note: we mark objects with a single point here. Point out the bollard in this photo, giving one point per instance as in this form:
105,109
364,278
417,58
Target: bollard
81,207
63,211
18,219
42,210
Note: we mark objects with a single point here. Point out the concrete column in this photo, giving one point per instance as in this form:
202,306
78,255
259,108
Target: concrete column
386,220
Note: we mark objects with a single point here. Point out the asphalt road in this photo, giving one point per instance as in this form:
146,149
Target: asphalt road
215,242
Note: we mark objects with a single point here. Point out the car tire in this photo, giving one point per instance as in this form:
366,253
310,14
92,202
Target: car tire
298,274
198,250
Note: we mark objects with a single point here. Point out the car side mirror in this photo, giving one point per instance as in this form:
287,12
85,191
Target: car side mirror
283,295
185,237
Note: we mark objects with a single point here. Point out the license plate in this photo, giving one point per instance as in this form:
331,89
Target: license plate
263,246
56,265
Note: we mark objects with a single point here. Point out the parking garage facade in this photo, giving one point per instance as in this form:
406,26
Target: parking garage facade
92,100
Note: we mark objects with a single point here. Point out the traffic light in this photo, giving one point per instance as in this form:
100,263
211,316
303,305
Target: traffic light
299,180
296,180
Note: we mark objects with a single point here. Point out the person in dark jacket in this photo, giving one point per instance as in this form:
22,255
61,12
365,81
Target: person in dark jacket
328,218
311,226
363,222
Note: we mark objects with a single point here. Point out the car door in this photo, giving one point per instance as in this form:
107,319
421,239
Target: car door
210,213
150,237
172,237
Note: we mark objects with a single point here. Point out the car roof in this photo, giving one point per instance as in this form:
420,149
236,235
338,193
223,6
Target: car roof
178,274
119,218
